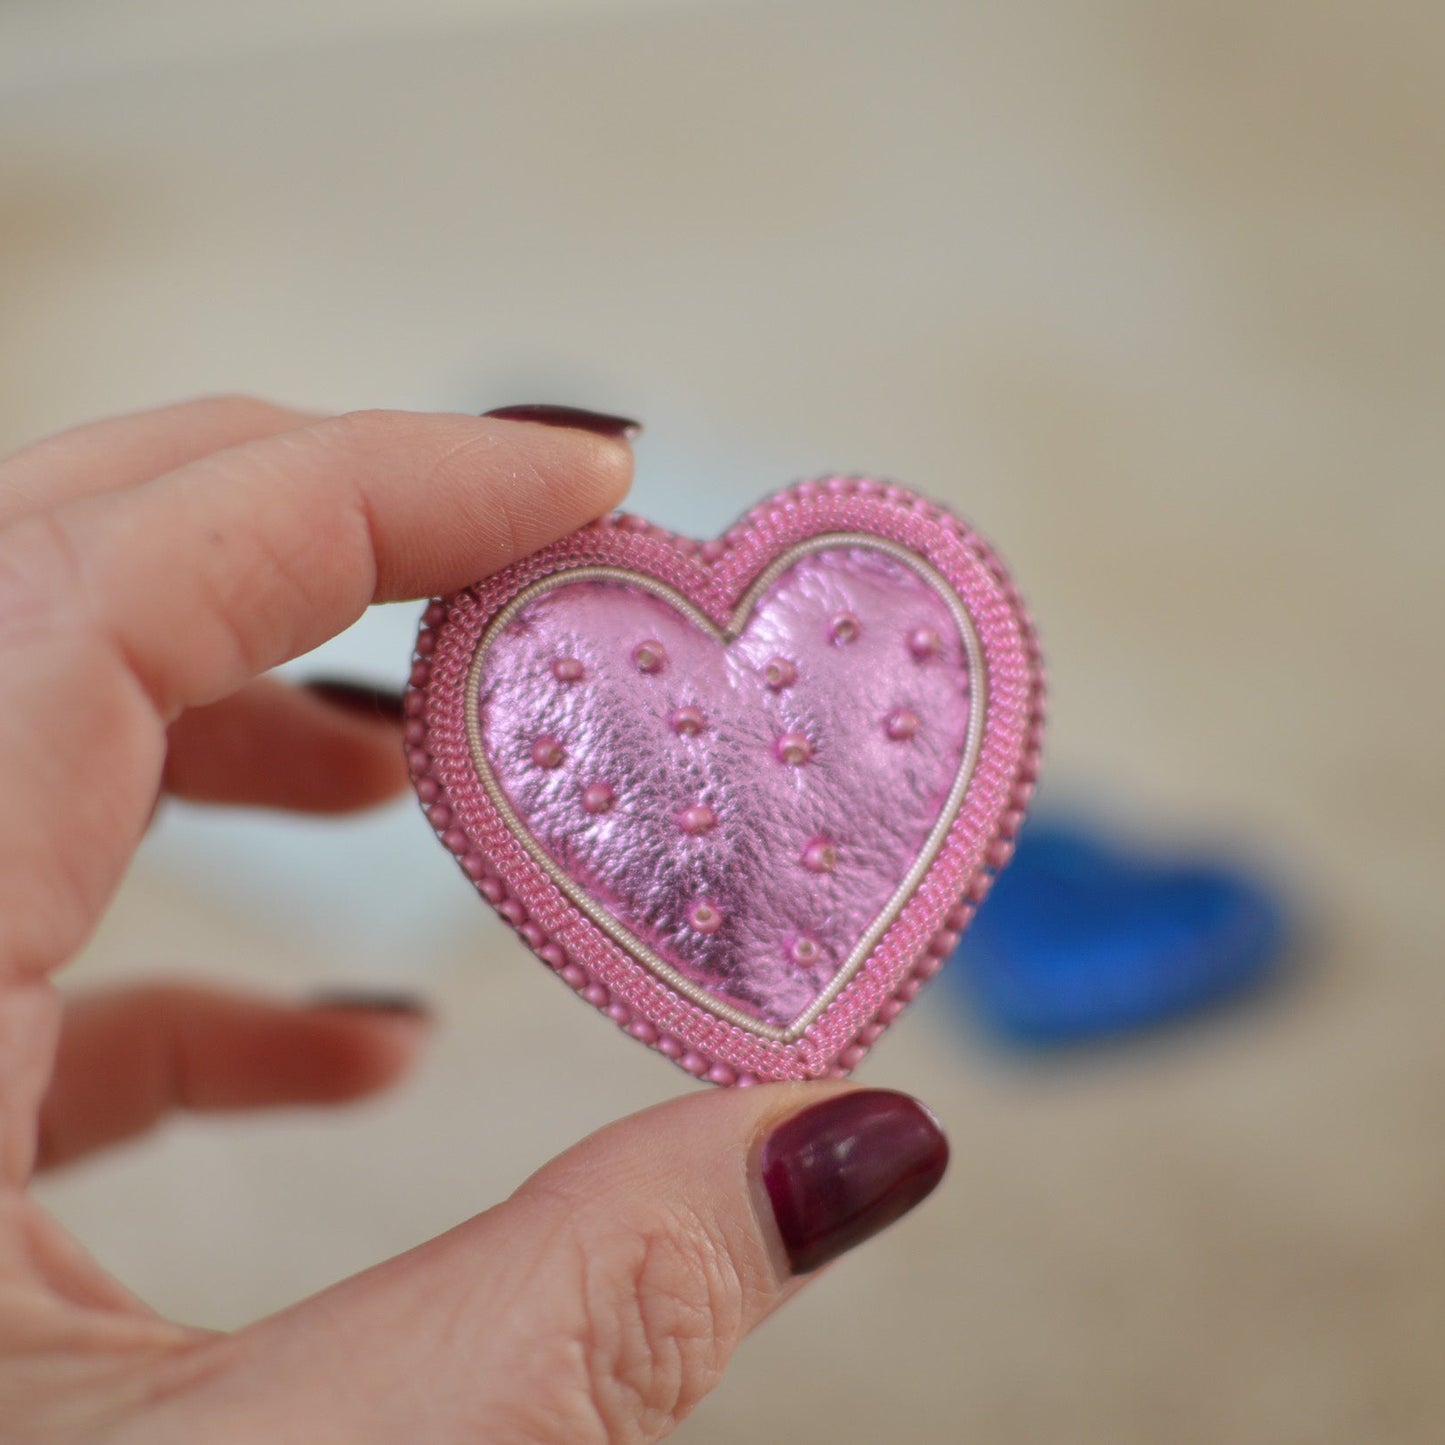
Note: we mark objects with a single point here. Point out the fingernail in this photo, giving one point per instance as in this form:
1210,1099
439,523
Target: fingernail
375,1001
380,703
573,416
842,1170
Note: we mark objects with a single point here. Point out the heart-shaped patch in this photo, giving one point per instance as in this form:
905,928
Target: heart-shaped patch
743,795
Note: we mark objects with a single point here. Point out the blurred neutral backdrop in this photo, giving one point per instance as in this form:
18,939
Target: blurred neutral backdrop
1154,295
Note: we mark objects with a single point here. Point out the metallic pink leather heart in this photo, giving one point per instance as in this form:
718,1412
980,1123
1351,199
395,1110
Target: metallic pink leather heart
741,795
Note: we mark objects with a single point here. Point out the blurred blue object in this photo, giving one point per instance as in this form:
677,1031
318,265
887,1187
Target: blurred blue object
1080,939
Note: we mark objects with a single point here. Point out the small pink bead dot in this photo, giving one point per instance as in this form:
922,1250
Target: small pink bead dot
924,642
414,732
512,911
746,1081
649,656
572,976
721,1074
688,722
705,918
669,1046
641,1029
532,936
712,550
998,853
959,917
697,820
844,628
805,951
943,942
869,487
475,866
414,705
567,669
1010,822
978,889
694,1063
420,671
455,840
779,672
890,1010
417,760
552,955
440,816
820,856
435,614
596,995
901,725
927,967
598,798
851,1057
547,752
870,1033
426,643
493,889
428,790
631,522
794,749
908,989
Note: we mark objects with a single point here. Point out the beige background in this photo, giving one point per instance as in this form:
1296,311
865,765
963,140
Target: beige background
1154,294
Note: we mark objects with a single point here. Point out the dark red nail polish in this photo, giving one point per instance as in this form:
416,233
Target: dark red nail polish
375,1001
380,703
842,1170
573,416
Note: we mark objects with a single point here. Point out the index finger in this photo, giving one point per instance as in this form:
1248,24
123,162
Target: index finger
118,611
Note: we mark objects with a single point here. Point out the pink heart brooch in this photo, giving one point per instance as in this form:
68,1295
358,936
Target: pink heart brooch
741,795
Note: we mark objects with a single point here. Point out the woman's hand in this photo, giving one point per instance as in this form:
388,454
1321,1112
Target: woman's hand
152,568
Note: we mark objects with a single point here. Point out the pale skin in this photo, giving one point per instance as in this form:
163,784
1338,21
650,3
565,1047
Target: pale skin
152,568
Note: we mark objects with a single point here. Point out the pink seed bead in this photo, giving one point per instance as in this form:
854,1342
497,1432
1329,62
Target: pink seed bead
794,749
493,889
428,789
694,1063
924,642
869,1034
631,522
697,820
998,853
959,917
712,550
532,936
820,856
455,840
705,918
688,722
414,705
978,888
598,798
1010,822
901,725
474,865
547,752
851,1057
435,614
890,1010
927,967
572,976
552,955
721,1074
567,669
512,911
745,1081
418,761
596,995
908,989
649,656
844,628
440,816
414,732
943,942
426,643
669,1046
641,1029
869,487
805,951
420,671
779,672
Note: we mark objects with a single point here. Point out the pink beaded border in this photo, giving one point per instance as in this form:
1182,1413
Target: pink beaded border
713,576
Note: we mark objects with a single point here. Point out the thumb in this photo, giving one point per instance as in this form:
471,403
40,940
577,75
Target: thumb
604,1298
